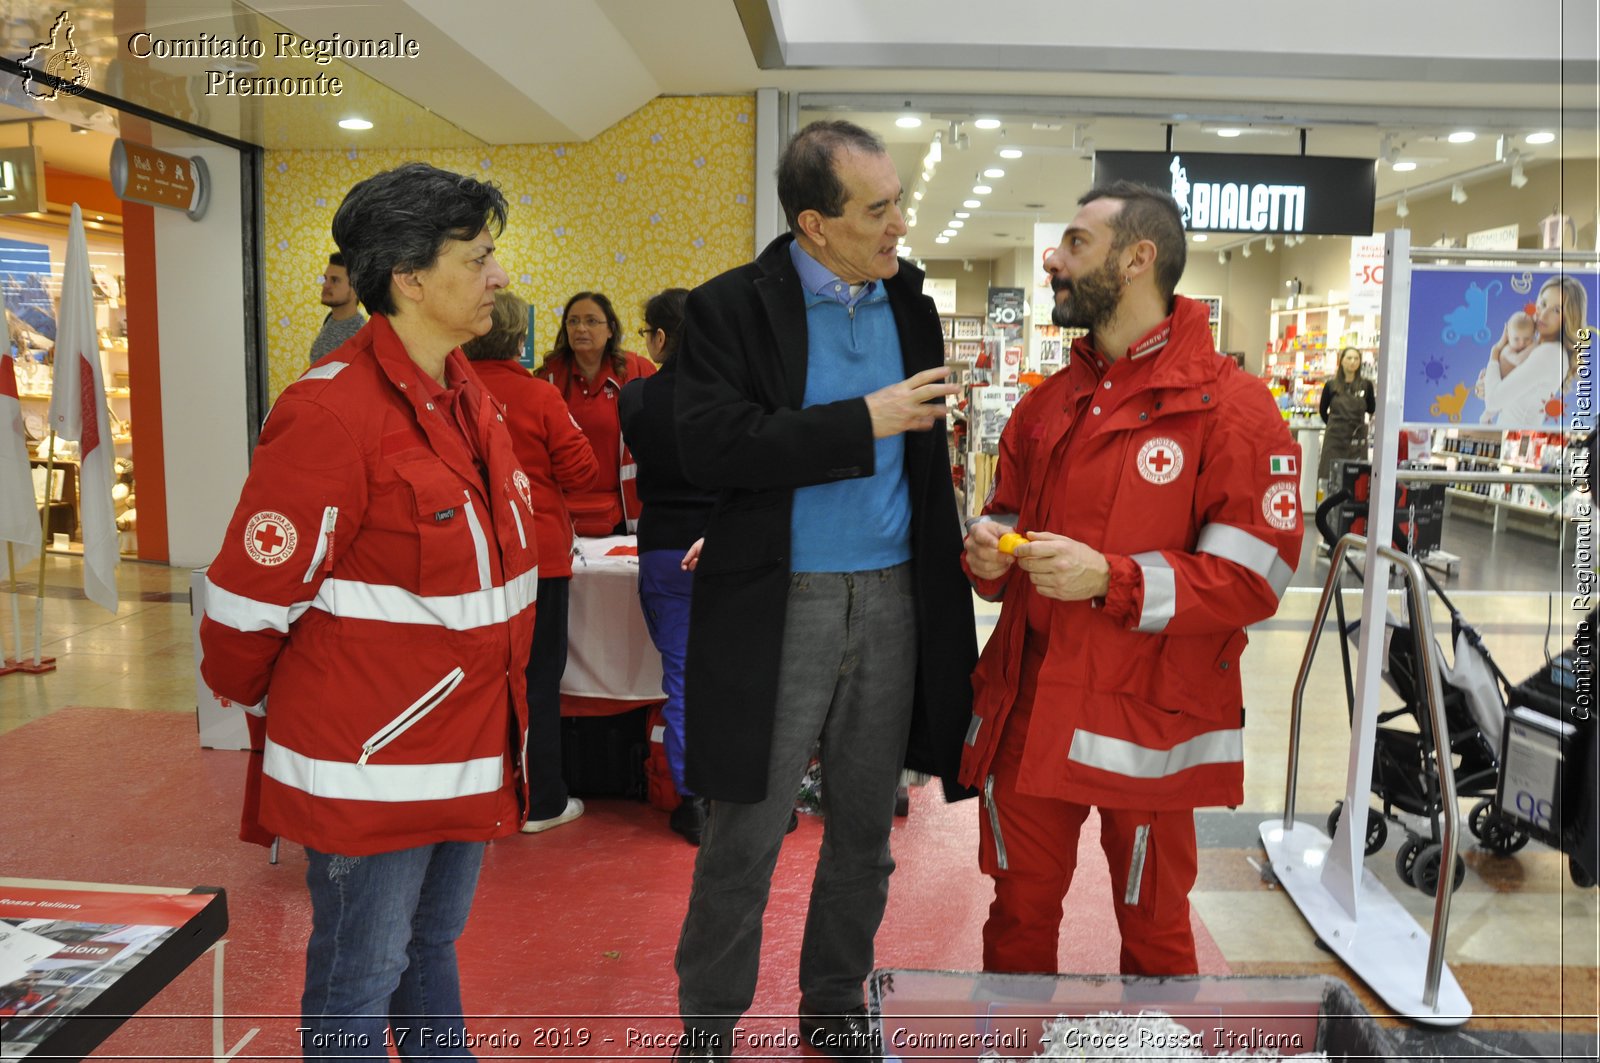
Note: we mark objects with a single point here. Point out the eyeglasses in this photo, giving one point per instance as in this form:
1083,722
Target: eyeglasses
586,322
647,332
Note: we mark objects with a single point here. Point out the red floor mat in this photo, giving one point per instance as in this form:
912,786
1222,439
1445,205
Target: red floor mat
577,925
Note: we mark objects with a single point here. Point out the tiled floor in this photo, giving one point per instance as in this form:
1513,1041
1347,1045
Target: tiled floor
1523,941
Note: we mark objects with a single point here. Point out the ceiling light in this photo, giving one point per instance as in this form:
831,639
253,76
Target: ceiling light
1462,136
1245,251
927,175
1518,178
1271,245
994,171
1542,137
987,123
1457,193
917,195
948,233
1016,153
1200,238
963,214
908,121
1400,208
981,190
354,123
1229,132
972,204
1222,258
99,217
1404,167
941,239
957,223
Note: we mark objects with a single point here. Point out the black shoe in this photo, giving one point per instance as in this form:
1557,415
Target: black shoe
689,818
844,1035
700,1045
794,822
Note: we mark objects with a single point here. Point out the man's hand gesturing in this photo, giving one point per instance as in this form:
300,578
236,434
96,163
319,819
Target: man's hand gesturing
913,405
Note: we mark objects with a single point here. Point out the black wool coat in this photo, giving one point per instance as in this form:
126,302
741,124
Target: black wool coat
743,432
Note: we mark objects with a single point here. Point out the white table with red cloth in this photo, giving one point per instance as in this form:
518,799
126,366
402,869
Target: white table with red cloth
612,666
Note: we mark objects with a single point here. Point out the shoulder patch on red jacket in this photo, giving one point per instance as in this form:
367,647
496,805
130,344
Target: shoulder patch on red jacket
1281,504
269,538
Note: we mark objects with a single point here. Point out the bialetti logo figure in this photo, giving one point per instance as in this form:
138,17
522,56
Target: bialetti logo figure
1242,207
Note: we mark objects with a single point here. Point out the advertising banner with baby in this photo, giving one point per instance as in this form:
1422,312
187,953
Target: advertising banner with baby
1502,347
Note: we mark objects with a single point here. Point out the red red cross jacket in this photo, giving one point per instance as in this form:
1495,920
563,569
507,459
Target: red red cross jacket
1179,468
613,498
375,599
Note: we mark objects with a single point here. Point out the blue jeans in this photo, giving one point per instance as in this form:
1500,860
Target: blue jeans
381,963
847,675
664,593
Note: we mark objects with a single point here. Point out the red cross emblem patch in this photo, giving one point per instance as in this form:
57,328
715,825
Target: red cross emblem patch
1281,505
519,479
1160,460
269,538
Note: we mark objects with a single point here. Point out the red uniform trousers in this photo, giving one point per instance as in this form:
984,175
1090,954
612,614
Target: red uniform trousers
1040,840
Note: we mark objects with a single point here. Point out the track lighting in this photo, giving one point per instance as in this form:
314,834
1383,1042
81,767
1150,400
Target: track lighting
1457,193
1518,178
1271,245
1245,251
1222,258
1400,208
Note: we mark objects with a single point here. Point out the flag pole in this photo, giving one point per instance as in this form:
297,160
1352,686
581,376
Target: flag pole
41,663
16,611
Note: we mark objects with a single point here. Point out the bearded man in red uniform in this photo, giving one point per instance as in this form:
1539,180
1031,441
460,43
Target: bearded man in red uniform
1156,485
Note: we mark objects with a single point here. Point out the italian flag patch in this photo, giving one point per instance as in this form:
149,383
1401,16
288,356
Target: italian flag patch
1282,465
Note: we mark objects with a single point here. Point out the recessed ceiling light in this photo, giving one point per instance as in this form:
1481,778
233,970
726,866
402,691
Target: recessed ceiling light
957,224
1011,153
947,233
354,123
1542,137
972,204
908,121
99,217
1404,167
987,123
941,239
1462,136
1200,238
917,195
981,190
994,171
962,214
1229,132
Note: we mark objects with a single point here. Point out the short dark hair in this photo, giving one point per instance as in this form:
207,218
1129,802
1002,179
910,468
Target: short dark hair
613,351
508,329
398,221
336,259
664,311
1147,213
806,176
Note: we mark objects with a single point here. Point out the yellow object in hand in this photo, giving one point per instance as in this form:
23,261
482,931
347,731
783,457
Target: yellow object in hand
1010,541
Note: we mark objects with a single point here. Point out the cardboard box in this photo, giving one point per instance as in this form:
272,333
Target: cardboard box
957,1015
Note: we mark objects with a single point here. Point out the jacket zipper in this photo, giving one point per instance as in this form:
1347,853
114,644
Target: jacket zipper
414,712
480,543
324,550
994,823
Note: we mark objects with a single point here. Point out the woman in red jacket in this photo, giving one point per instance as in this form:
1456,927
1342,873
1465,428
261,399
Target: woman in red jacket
589,367
556,455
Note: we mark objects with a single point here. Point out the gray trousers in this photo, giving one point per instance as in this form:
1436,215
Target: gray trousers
847,675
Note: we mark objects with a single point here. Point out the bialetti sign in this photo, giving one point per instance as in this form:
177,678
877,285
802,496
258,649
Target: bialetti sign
1263,194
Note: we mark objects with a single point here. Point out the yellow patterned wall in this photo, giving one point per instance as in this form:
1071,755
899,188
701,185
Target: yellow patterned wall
662,199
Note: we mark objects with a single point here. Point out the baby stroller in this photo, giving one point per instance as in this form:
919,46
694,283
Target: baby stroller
1405,772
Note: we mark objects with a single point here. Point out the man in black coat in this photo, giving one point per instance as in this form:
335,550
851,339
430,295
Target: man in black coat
829,602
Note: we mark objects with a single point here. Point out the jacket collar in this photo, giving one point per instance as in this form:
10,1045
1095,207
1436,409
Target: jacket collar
1178,353
402,373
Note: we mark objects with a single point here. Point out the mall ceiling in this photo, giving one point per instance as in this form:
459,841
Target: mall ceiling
490,72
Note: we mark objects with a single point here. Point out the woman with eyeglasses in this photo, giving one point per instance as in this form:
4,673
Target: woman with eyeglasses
588,366
673,519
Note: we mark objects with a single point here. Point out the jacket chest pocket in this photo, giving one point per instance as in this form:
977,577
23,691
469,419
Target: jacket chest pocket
1155,489
451,534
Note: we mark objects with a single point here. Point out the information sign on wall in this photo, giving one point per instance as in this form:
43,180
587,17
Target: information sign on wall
142,174
1263,194
1366,275
1502,347
942,290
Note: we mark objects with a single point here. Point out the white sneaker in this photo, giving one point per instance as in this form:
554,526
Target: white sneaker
573,810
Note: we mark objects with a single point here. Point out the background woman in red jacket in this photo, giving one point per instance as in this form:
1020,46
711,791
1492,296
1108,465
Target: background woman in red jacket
556,455
588,366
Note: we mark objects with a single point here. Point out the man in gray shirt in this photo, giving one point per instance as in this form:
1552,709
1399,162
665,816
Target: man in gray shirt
344,316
